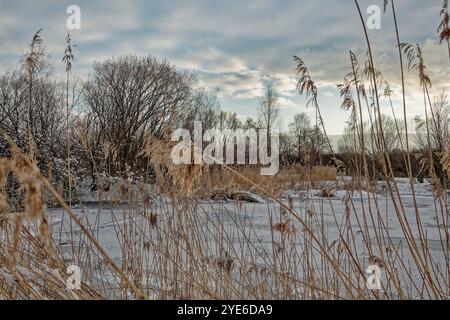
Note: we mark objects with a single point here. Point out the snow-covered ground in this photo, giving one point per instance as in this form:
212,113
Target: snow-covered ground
254,218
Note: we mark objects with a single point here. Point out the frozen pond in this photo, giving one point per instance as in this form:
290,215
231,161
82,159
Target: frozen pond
243,223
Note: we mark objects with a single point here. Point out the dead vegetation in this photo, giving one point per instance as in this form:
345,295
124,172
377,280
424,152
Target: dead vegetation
179,242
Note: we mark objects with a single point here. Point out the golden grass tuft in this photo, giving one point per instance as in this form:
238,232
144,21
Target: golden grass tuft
446,160
29,267
291,178
184,179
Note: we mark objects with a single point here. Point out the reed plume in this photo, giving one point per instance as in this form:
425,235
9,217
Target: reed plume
32,59
68,60
444,28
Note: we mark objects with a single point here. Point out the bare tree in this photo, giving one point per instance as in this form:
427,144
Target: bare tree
229,120
132,98
250,124
391,139
308,139
204,107
48,118
13,102
438,125
300,130
347,142
269,110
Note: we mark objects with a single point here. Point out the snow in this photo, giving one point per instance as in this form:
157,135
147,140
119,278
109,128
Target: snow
7,277
103,221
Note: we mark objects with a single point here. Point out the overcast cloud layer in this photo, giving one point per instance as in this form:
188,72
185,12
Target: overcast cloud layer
236,46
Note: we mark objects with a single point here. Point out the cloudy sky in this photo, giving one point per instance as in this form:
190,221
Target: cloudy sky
236,46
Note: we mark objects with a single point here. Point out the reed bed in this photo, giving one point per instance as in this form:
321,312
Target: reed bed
193,233
167,246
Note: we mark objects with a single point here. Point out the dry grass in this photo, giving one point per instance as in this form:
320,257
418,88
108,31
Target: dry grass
295,178
174,244
446,161
29,266
185,179
173,248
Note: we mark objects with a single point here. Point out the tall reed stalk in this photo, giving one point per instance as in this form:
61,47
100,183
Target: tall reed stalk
68,60
32,60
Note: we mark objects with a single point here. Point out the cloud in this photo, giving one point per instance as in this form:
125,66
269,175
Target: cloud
286,103
236,46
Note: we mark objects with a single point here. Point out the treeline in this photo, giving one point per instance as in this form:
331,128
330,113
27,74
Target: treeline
85,129
98,127
77,129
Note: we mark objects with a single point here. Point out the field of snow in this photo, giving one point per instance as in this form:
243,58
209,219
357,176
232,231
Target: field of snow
254,221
